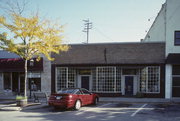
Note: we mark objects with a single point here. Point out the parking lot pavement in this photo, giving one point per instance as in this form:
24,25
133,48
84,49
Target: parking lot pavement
103,111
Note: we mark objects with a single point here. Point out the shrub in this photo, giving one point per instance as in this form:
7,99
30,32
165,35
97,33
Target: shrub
139,95
20,97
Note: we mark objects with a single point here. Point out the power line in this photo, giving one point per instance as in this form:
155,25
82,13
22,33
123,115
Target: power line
104,35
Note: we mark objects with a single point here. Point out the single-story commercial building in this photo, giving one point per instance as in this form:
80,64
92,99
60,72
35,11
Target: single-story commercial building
112,69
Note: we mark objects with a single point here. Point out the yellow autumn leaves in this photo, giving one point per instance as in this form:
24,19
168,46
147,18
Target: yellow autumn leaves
37,36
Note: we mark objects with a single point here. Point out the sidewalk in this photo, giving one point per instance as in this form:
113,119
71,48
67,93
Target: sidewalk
10,105
138,100
13,107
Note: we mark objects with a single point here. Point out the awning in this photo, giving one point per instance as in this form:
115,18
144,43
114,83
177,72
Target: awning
17,65
173,58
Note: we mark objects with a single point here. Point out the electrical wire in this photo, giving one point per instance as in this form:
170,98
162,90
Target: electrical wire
104,35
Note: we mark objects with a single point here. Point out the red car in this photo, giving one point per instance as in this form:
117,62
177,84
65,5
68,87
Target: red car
73,98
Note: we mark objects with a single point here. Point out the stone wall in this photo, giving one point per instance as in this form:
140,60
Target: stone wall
46,76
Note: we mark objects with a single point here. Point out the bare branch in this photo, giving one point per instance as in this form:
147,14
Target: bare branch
14,6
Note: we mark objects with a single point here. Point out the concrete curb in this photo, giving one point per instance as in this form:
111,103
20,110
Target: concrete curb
138,100
10,107
13,107
35,106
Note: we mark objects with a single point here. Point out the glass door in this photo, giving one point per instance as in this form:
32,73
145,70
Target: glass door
129,85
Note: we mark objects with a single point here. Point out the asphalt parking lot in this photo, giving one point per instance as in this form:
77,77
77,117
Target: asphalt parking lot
101,112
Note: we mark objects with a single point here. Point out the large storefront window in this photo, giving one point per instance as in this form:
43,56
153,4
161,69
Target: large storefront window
1,82
66,78
7,81
104,79
108,79
118,79
150,79
94,80
71,78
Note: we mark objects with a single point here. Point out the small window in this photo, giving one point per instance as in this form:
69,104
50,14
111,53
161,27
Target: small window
176,81
177,38
176,70
85,72
129,71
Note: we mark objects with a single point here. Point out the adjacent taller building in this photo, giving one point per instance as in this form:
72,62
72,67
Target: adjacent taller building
166,28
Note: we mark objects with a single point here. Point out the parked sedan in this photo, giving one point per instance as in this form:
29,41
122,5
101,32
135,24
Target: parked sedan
73,98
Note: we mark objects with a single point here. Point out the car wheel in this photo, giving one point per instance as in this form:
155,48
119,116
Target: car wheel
77,105
96,101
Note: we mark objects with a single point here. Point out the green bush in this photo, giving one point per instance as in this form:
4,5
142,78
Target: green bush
139,95
20,97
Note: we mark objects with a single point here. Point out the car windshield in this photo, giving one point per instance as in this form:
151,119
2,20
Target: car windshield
68,91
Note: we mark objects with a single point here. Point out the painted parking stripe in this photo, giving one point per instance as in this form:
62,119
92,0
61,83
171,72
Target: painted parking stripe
104,105
82,111
139,109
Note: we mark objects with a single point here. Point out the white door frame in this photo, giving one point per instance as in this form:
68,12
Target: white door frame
135,84
90,81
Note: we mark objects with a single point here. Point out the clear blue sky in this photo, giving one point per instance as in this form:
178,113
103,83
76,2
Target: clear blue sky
113,20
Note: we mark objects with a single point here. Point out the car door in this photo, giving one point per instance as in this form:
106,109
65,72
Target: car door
87,97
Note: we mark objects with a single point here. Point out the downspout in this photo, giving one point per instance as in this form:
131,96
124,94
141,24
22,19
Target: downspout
165,26
105,55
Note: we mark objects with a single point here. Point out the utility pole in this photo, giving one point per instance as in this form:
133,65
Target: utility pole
87,26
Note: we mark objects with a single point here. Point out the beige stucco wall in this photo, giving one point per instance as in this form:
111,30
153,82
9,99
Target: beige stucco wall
164,26
173,24
157,31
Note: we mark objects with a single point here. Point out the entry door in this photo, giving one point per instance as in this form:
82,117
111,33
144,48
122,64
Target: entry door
85,82
129,85
176,87
21,85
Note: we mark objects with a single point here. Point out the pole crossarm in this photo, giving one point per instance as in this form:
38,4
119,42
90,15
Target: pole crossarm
87,27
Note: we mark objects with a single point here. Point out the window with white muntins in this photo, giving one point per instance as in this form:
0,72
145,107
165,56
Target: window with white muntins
65,78
150,79
108,80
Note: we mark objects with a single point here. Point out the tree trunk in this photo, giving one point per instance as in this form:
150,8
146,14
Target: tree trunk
25,79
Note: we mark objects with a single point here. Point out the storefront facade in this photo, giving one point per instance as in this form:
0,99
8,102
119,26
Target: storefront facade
111,80
111,69
12,75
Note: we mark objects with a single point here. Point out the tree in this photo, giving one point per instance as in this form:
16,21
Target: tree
30,37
